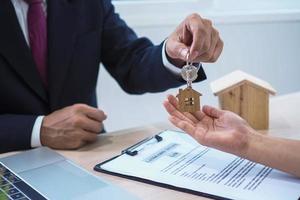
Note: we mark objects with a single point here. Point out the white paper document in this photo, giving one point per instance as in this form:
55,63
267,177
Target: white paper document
178,160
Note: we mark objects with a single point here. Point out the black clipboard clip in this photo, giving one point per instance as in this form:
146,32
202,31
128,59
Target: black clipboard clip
132,151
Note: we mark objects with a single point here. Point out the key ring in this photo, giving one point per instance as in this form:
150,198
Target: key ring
187,59
189,71
189,63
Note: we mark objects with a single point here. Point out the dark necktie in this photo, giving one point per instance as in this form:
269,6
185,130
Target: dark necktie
37,30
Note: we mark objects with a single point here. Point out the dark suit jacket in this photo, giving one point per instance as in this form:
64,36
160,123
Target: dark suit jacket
81,34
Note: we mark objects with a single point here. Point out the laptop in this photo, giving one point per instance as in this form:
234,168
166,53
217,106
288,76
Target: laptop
44,174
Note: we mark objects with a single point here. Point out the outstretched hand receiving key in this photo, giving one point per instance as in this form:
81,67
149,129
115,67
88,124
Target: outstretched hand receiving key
212,127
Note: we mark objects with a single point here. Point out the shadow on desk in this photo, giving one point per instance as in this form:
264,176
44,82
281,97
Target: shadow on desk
101,141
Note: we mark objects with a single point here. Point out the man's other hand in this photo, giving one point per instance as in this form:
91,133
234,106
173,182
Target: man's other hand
197,36
72,127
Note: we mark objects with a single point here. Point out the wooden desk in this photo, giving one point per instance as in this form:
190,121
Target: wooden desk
284,122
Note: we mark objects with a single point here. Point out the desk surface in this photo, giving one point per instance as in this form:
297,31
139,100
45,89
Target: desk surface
284,122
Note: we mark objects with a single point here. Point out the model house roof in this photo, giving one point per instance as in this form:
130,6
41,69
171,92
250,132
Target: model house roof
236,79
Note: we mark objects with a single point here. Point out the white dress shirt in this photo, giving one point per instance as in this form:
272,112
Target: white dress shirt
21,9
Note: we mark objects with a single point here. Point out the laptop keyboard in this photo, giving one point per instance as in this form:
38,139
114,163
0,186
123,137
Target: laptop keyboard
14,188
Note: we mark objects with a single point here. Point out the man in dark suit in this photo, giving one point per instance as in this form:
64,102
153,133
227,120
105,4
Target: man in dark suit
49,60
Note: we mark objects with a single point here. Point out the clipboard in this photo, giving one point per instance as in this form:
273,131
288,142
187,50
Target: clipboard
134,150
131,151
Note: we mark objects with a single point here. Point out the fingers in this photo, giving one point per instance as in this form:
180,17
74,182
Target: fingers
177,49
210,55
173,100
202,38
207,43
183,125
201,30
87,118
88,136
178,43
195,117
212,112
218,51
90,112
87,124
187,37
197,36
198,133
199,115
172,110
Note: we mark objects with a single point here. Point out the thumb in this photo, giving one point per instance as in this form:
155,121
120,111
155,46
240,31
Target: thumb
177,50
212,112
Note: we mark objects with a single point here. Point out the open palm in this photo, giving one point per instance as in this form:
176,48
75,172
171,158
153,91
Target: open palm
212,127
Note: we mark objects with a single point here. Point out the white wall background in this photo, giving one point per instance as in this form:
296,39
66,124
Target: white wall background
261,38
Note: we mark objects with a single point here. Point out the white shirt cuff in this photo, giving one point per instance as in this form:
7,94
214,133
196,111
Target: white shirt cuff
175,70
35,135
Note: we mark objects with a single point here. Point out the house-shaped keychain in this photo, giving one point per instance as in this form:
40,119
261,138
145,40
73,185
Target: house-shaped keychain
189,100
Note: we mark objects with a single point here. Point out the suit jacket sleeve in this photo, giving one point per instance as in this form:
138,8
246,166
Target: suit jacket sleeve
15,131
134,62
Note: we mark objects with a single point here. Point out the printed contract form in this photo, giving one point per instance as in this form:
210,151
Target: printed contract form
179,161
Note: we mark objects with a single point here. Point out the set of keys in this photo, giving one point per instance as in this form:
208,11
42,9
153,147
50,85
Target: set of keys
189,99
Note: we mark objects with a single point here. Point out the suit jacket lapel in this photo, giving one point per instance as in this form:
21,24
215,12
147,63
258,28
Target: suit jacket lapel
14,48
61,37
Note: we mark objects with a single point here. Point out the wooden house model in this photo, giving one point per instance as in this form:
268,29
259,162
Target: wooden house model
245,95
189,100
